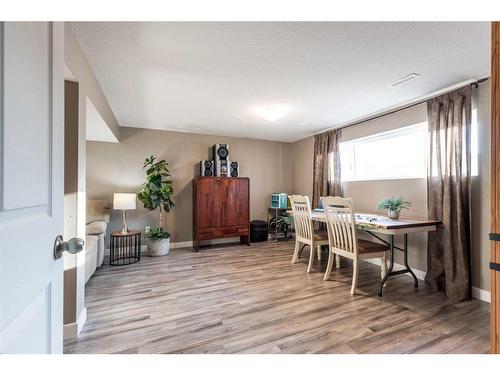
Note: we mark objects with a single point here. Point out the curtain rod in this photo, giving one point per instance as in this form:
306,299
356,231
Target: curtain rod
474,83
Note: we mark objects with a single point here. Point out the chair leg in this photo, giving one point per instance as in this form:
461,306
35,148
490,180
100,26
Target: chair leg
331,257
311,259
296,252
319,252
355,272
337,261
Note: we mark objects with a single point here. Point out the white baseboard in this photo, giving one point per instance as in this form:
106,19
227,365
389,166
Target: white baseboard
477,293
184,244
483,295
73,330
420,274
178,245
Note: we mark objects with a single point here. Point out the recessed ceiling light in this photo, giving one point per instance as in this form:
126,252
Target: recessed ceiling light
405,79
272,112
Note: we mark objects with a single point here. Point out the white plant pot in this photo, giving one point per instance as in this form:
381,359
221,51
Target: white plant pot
158,248
393,214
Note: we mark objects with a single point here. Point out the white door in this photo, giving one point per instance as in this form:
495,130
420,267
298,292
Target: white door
31,186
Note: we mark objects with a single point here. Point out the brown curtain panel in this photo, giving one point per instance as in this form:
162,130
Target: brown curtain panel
326,178
448,193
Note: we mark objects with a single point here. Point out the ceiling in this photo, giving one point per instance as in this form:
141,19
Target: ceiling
210,77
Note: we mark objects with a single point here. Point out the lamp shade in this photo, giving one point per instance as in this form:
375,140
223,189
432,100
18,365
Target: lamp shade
124,201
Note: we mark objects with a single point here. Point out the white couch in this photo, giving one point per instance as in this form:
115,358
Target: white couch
97,223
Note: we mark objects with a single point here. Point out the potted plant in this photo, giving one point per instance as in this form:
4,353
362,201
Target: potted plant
394,206
157,193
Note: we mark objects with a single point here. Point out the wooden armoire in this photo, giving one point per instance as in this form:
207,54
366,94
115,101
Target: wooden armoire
221,208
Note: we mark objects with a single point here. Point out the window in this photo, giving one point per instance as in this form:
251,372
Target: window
395,154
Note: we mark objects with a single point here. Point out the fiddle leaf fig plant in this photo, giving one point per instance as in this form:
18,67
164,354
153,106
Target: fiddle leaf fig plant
157,234
157,193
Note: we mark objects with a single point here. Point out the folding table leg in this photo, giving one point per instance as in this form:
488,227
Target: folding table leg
391,266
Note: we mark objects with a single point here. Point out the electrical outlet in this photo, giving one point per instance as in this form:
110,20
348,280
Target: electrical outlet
147,229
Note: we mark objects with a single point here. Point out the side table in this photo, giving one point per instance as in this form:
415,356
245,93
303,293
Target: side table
125,248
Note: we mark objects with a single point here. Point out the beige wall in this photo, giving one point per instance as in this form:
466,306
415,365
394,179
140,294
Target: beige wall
70,196
74,203
302,166
117,167
481,192
366,194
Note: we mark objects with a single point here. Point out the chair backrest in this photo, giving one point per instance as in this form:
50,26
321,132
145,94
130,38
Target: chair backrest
340,223
301,209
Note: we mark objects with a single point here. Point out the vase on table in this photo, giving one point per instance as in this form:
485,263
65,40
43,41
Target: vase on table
393,214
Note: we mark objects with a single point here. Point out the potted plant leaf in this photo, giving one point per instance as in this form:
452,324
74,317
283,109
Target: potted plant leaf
394,206
157,193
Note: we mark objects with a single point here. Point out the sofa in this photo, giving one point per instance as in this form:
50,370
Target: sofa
97,223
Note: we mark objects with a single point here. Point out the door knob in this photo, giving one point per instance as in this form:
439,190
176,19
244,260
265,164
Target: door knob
73,246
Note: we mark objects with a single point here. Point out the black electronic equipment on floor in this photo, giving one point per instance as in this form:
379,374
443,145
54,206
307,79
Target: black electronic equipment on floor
258,231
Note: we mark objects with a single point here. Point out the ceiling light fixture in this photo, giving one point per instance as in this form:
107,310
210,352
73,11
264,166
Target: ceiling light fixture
272,112
405,79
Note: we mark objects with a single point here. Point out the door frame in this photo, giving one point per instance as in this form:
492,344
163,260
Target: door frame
495,186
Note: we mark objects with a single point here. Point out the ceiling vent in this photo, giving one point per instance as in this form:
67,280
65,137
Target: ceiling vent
405,79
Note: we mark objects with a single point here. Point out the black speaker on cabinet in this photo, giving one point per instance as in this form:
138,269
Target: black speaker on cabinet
221,159
207,168
222,168
234,169
220,151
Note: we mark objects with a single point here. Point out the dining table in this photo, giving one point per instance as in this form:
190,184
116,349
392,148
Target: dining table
377,225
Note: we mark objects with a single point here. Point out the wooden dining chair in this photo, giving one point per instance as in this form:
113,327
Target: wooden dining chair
343,239
304,229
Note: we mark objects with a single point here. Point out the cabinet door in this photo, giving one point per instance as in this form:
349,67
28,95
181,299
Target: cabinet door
209,202
235,208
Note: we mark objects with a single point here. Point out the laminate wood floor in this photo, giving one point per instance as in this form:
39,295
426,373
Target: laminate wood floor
239,299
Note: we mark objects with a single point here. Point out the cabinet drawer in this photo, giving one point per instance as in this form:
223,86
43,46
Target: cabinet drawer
206,234
230,230
243,230
209,233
